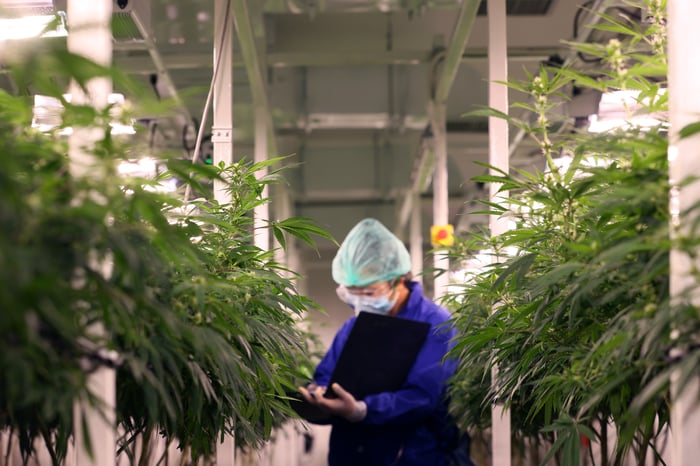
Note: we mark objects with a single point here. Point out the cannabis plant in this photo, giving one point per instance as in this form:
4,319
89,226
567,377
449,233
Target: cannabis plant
200,325
574,307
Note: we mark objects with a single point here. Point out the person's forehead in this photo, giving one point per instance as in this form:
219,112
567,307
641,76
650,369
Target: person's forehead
369,287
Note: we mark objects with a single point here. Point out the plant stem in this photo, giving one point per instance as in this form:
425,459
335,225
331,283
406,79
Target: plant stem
603,442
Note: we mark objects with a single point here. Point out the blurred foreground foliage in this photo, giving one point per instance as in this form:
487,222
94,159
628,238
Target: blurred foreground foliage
102,271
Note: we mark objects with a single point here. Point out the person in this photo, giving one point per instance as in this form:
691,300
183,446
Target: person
410,426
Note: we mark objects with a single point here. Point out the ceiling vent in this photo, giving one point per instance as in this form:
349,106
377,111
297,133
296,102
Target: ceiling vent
522,7
131,20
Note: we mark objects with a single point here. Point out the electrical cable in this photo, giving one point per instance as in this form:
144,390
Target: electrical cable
153,127
207,103
153,79
185,128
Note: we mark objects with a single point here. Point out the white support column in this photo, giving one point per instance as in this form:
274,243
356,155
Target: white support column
498,158
684,107
440,193
91,37
222,139
416,237
261,213
222,126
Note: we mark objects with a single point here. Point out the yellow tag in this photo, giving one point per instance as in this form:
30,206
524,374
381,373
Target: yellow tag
442,235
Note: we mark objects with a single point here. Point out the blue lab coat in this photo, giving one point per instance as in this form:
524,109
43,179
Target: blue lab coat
400,427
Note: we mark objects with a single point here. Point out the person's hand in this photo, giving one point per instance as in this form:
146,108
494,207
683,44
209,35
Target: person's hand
345,405
311,392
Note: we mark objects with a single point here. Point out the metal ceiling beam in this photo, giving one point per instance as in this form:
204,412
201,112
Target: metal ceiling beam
254,63
161,68
182,61
443,81
248,28
253,59
454,52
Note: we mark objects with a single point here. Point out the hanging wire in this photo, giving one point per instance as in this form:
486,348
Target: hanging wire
207,103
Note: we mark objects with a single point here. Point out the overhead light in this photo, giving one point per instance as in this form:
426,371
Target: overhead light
18,8
362,121
348,120
624,109
48,111
33,26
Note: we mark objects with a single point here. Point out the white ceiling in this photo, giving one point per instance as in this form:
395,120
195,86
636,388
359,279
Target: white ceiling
348,84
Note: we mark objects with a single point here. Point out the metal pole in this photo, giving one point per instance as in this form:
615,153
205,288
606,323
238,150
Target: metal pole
222,139
498,158
261,212
437,110
222,126
440,195
91,36
684,108
416,237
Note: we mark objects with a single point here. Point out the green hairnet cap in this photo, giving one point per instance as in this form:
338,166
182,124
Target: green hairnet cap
370,253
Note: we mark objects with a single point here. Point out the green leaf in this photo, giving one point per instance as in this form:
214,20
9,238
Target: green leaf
689,130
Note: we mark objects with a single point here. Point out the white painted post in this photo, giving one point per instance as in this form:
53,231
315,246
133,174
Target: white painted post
499,158
416,237
222,139
440,193
91,36
222,126
262,212
684,108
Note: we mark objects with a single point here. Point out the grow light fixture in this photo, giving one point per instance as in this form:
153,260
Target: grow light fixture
47,113
142,168
622,109
33,26
147,168
30,27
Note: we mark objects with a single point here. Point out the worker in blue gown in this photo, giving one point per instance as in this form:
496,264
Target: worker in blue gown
410,426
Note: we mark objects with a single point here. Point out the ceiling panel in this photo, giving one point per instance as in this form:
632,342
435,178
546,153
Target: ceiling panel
348,84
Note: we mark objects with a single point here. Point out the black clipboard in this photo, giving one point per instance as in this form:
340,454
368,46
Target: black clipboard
377,357
378,354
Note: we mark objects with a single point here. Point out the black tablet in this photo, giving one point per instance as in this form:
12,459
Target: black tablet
378,354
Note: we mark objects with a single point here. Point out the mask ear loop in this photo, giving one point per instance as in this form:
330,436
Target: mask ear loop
342,292
394,284
399,280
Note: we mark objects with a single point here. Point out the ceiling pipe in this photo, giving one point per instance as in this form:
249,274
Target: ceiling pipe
445,69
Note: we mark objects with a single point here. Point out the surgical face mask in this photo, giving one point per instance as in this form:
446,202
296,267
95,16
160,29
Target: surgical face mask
375,304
